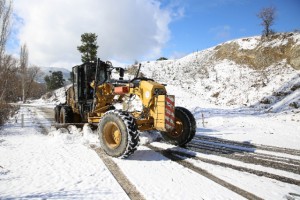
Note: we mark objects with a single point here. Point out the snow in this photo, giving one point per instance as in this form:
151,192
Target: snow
242,179
39,166
245,125
297,39
61,165
248,43
286,101
253,42
219,82
228,101
274,188
56,97
276,43
226,81
167,180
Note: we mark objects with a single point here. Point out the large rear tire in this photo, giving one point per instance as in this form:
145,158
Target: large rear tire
118,134
185,128
66,115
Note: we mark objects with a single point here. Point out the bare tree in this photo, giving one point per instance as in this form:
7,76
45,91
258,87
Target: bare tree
267,15
5,17
6,62
23,67
32,73
7,72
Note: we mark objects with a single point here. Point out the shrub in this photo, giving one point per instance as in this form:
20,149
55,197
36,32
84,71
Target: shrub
294,105
215,95
266,100
6,111
295,87
161,58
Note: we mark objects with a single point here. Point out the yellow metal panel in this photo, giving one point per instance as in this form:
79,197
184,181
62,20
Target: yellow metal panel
159,112
147,90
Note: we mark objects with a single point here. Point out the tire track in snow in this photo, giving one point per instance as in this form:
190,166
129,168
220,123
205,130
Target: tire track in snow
246,158
245,155
127,186
249,146
239,168
178,159
48,114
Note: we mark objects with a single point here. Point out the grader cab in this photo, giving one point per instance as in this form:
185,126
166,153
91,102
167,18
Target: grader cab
93,98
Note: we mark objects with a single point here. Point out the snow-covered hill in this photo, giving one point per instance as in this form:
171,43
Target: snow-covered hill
243,72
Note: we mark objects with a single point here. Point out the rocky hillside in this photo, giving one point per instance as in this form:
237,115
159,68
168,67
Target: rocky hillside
243,72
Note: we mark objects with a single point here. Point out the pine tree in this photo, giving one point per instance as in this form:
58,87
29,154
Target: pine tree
89,47
54,81
162,58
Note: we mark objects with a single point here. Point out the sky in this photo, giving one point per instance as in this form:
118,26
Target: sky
137,30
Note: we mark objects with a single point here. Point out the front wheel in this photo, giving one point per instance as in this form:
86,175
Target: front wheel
185,128
118,134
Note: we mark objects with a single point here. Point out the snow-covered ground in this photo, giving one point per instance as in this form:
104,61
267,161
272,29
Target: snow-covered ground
253,115
243,124
38,166
61,165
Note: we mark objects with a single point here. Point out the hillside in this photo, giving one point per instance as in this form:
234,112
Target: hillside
243,72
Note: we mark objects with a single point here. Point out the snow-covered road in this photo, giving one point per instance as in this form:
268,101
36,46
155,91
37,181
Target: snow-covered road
34,165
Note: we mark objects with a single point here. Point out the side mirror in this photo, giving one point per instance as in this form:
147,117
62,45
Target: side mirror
101,72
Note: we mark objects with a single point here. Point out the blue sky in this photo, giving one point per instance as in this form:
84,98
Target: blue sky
208,23
142,30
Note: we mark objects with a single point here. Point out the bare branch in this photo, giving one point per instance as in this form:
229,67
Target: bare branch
267,15
5,18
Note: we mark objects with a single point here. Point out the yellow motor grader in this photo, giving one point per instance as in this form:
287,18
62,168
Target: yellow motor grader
93,98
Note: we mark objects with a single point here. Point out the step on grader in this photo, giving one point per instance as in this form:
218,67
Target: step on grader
92,99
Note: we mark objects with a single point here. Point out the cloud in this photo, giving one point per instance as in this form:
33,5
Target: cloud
221,32
127,30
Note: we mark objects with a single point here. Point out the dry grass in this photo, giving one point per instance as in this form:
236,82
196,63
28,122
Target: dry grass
262,55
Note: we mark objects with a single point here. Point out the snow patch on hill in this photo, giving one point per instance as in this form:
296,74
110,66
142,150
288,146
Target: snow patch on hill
57,96
248,43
